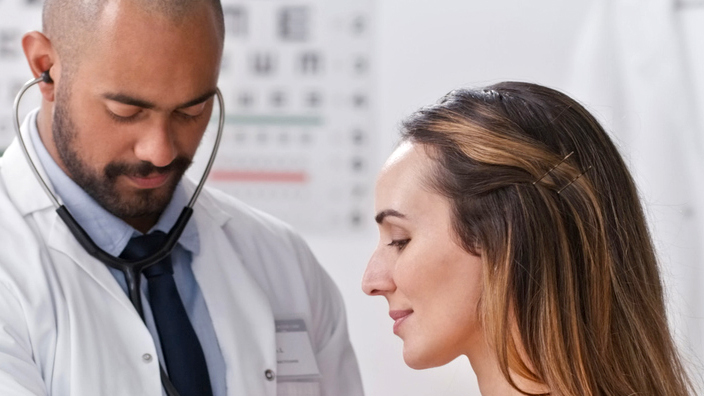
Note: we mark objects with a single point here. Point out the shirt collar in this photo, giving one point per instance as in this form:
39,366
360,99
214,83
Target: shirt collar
109,232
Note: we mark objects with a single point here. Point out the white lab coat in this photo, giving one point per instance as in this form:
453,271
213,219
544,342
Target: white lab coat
67,328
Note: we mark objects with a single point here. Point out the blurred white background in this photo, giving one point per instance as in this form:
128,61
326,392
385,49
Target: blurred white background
600,54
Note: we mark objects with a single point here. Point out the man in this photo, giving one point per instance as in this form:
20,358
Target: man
130,93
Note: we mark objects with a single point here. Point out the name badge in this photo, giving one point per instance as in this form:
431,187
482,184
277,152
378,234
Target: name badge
297,369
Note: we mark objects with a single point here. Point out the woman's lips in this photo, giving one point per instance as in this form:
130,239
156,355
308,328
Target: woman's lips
152,181
399,316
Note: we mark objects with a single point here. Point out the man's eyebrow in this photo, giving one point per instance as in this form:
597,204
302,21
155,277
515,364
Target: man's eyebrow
197,100
129,100
388,212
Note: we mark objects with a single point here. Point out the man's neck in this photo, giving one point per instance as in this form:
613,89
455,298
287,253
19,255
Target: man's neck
142,224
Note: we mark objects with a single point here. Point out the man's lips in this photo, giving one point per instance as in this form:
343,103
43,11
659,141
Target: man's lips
154,180
399,316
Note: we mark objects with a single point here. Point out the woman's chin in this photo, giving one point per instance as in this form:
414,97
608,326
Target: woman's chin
422,360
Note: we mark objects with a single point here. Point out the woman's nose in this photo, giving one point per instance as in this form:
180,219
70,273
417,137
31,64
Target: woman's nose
378,277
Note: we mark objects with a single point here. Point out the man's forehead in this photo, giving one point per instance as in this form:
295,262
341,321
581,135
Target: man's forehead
118,13
110,11
139,50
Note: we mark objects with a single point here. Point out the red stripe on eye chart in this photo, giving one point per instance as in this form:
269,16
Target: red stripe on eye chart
258,176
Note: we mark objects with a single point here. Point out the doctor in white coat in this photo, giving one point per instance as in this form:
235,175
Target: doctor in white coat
132,94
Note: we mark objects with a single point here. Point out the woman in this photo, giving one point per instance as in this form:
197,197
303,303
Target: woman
511,232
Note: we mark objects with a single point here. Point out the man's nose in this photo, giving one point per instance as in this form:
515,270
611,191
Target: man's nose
378,277
156,144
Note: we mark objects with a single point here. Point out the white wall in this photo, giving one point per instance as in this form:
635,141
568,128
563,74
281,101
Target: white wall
425,49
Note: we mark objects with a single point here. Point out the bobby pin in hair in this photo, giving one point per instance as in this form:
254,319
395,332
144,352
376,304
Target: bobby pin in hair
553,168
574,180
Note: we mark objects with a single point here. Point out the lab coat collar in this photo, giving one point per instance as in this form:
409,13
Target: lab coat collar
207,203
22,187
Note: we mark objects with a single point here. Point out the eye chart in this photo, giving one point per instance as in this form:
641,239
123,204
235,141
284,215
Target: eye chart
297,79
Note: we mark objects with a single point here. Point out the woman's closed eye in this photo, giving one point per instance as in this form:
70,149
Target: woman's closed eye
399,243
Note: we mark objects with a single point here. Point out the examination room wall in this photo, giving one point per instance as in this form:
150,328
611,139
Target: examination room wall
420,50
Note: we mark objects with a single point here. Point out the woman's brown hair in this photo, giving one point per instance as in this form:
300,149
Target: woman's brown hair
572,293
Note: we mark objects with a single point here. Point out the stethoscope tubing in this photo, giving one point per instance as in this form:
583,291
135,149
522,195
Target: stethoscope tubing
16,119
131,269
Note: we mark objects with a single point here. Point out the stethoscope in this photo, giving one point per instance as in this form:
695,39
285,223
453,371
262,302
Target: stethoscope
132,270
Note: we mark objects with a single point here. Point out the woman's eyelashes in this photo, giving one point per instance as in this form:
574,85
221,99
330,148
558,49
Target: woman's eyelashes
399,243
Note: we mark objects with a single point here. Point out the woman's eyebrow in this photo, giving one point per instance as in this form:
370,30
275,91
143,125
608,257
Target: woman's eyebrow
388,212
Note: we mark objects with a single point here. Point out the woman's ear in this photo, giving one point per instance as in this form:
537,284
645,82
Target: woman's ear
41,58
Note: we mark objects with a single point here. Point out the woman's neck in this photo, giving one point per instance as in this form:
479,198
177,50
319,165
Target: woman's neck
492,381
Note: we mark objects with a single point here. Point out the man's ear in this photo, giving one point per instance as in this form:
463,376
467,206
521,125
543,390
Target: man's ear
41,57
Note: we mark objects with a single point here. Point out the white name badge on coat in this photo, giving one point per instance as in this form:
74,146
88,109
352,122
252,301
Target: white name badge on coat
297,369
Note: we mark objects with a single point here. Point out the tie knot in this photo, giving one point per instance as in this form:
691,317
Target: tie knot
142,246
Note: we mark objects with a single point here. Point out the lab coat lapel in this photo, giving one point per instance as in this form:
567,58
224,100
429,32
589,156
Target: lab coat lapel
241,313
61,240
24,190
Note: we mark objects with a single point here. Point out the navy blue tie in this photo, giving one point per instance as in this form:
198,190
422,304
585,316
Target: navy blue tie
183,355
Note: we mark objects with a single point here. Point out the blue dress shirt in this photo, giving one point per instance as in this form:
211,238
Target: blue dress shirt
112,235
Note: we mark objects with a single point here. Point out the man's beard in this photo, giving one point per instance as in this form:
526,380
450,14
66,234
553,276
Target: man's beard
102,187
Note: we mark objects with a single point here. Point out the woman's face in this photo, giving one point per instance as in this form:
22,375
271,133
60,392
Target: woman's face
432,285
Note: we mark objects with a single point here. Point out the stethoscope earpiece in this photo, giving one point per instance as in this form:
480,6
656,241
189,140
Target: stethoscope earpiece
46,77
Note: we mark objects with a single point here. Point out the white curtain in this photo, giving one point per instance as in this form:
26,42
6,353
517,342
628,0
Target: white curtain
630,69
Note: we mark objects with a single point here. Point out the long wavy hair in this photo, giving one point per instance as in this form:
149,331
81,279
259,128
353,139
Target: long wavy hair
572,294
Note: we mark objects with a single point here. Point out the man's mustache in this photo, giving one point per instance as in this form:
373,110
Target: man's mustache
145,168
